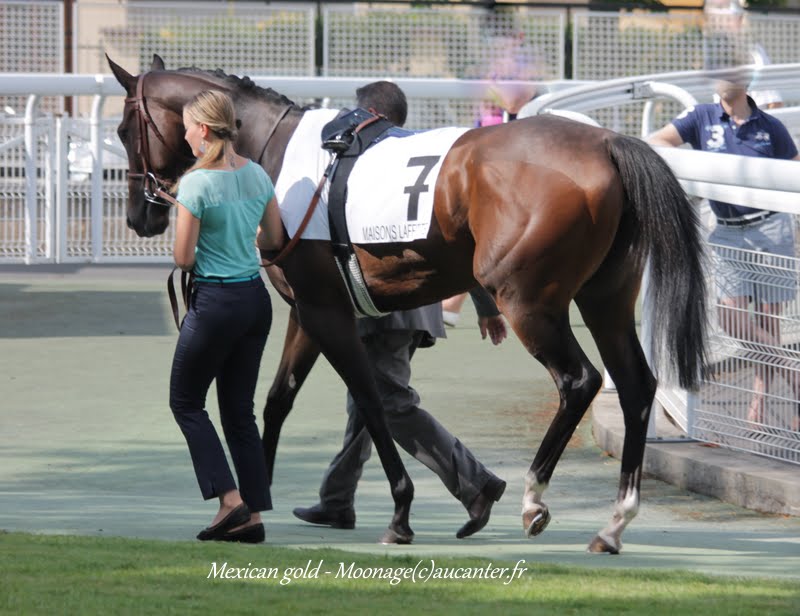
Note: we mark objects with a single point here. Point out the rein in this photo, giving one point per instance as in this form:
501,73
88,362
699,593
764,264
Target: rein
303,224
271,133
187,286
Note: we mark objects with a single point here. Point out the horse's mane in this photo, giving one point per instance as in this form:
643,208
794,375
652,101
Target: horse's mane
240,83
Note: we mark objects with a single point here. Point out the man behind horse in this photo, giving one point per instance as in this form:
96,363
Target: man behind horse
391,342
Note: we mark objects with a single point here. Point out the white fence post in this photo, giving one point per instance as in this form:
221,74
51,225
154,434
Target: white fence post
31,218
96,139
691,404
62,175
49,191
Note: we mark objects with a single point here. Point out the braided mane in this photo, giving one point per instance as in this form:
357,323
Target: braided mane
240,83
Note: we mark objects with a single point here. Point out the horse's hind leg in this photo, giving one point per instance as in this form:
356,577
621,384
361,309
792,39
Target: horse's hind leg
334,329
611,322
298,357
548,337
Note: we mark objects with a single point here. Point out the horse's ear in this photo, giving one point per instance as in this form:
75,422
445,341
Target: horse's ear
157,64
126,80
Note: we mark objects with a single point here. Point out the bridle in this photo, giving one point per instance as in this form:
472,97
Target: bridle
153,186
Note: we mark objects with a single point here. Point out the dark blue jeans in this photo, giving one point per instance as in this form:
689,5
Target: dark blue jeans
223,338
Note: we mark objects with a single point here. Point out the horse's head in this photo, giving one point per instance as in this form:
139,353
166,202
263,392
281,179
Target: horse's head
152,132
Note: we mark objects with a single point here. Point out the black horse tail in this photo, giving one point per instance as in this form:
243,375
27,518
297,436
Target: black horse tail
669,234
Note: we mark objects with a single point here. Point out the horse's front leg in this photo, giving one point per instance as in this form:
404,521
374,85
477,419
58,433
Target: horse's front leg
298,357
334,329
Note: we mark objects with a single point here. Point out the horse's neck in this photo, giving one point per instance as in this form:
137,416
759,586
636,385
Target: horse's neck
266,132
258,115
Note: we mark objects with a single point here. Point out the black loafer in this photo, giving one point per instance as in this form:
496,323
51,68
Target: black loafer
237,517
481,508
254,533
317,514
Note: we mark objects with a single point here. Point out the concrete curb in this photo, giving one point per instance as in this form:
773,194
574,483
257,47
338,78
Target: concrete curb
735,477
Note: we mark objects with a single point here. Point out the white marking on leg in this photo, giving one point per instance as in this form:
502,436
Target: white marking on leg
292,382
532,498
625,510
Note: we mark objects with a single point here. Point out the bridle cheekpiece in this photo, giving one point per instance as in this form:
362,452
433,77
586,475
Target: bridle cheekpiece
153,186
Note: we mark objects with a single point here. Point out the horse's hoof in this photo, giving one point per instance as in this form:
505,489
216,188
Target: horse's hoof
601,546
535,521
392,537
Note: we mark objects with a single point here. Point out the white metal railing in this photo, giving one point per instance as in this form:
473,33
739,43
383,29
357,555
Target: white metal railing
606,98
51,200
595,95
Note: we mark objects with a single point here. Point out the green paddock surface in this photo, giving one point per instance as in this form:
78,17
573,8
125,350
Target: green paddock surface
88,445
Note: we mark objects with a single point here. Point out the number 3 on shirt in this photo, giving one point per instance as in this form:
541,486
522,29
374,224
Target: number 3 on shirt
717,139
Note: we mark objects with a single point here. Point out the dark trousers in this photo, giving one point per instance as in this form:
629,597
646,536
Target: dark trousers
412,427
223,338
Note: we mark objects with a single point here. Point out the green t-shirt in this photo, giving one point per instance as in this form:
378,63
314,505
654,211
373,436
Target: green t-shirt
230,205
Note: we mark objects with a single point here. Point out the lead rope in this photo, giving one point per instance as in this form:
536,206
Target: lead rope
187,286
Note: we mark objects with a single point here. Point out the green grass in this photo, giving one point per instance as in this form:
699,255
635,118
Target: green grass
45,574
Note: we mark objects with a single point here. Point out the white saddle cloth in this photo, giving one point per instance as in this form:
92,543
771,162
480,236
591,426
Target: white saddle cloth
389,191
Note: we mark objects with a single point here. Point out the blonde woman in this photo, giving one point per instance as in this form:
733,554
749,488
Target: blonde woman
224,200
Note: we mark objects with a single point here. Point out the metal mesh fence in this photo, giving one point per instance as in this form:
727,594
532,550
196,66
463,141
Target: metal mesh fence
452,41
118,240
33,37
31,41
12,193
751,401
779,35
13,189
642,43
627,118
241,37
446,42
609,45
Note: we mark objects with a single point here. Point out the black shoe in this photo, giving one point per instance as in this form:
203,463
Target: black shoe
237,517
249,534
317,514
481,508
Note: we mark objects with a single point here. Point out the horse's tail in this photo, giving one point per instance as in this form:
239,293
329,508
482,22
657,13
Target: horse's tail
669,234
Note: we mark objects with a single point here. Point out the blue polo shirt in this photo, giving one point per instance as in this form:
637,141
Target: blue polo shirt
709,128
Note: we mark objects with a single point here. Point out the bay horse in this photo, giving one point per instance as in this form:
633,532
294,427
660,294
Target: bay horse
540,212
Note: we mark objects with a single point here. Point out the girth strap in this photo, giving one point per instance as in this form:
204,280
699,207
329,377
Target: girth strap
365,134
359,138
